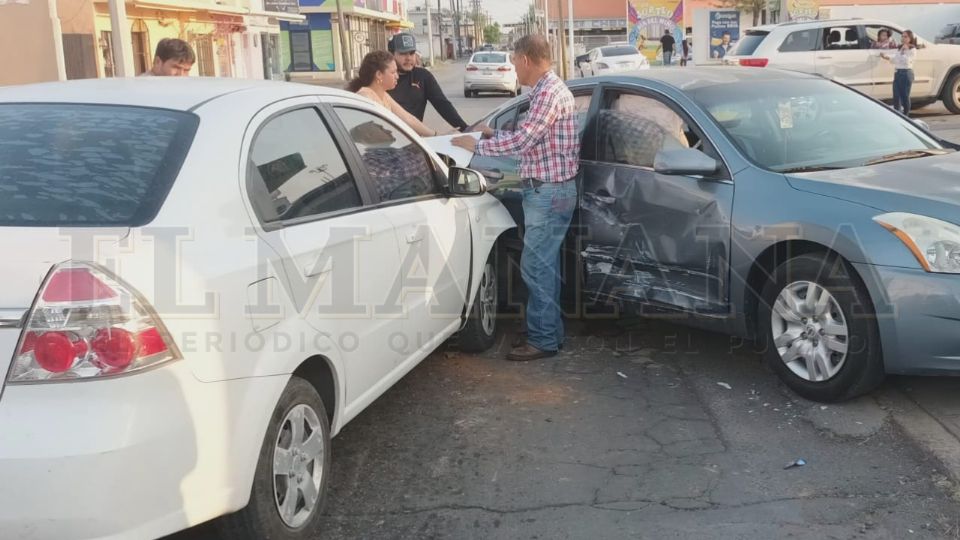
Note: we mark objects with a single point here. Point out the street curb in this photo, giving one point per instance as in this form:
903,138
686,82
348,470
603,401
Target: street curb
923,428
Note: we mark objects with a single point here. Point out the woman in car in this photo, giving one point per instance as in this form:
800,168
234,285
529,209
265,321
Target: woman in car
883,40
377,75
902,60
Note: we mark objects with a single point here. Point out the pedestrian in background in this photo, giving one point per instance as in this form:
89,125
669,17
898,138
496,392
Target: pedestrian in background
666,44
902,61
416,85
173,58
548,146
376,77
883,40
686,52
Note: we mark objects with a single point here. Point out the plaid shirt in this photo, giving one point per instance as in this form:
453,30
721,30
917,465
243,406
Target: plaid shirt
547,140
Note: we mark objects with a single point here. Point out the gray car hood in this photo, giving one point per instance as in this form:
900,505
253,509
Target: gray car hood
928,186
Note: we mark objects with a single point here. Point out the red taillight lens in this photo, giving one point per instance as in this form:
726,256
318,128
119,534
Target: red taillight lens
114,347
87,323
503,68
55,352
472,68
76,285
754,62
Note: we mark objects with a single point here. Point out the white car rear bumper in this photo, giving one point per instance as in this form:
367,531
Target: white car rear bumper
133,457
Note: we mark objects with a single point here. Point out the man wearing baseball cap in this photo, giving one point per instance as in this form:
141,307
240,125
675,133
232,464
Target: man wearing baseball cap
417,86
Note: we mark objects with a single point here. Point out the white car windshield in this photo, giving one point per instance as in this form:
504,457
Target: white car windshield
809,124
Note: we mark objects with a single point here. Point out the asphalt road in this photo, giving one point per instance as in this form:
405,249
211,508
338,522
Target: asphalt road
640,429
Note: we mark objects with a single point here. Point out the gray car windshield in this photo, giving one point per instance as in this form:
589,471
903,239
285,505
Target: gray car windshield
806,124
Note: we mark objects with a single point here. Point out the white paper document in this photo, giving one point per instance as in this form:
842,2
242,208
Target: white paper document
442,145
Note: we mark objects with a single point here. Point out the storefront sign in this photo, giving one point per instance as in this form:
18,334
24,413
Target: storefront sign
648,19
803,10
724,32
282,6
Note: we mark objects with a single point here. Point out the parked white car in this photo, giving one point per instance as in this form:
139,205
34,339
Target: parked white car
203,281
490,71
842,50
613,59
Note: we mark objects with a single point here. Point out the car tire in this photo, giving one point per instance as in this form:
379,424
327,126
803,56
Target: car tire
480,332
467,93
951,93
837,338
262,517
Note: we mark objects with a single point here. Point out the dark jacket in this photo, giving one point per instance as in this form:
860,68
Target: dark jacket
418,86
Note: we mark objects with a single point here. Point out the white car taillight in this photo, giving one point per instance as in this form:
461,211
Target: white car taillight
87,323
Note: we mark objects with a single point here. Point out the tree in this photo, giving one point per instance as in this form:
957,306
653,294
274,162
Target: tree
754,7
491,34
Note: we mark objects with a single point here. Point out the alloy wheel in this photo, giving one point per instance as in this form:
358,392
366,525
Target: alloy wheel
298,459
810,331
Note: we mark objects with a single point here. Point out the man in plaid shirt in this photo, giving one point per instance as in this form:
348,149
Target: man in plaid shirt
549,148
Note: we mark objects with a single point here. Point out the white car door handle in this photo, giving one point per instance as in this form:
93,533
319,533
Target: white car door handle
413,238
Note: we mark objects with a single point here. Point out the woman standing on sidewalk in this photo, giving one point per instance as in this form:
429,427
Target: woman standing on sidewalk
902,61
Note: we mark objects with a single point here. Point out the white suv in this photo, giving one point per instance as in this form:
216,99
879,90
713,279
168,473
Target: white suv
842,50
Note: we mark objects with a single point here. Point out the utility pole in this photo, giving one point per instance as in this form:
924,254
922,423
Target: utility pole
120,35
57,40
455,7
443,49
560,47
346,52
430,32
571,54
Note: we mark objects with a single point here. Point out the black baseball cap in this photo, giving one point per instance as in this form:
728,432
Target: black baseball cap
402,43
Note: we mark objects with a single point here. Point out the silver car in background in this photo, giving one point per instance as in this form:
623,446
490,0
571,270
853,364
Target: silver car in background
490,71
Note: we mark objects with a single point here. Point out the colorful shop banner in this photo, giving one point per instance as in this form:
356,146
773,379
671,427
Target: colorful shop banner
803,10
648,19
724,32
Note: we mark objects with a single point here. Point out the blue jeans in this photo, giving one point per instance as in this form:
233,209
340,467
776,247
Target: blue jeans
902,83
547,211
667,57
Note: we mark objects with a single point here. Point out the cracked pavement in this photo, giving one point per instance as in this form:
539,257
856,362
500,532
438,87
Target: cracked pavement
627,435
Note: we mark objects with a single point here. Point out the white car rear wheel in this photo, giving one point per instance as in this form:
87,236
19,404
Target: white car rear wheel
290,484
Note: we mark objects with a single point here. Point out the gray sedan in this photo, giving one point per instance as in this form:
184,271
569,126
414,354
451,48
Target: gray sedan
769,205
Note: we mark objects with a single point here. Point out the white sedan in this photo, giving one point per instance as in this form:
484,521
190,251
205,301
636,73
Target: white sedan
203,281
613,59
490,71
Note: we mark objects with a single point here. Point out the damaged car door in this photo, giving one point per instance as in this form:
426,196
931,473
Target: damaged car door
653,238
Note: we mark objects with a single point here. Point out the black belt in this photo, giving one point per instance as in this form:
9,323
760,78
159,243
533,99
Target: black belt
537,183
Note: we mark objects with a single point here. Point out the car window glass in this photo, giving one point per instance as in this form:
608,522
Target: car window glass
749,42
398,167
489,58
841,38
504,121
634,128
298,163
809,123
873,33
801,41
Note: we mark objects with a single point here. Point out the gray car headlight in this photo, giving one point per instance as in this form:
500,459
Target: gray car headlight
935,243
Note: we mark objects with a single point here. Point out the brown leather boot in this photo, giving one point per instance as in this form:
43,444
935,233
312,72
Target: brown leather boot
528,352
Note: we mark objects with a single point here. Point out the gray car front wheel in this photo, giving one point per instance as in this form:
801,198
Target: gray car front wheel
819,330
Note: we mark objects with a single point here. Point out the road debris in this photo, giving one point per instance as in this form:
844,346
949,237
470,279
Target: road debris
621,374
797,463
725,385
